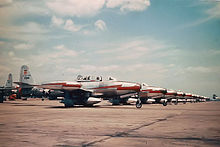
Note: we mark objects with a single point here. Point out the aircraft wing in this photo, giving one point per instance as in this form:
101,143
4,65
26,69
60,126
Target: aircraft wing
62,86
7,88
26,85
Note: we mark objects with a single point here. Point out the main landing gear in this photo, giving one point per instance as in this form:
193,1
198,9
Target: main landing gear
164,103
138,104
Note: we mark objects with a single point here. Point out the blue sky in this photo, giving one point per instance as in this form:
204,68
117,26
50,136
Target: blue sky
173,44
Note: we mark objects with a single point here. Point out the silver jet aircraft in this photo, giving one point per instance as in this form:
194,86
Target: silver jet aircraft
89,89
6,90
152,94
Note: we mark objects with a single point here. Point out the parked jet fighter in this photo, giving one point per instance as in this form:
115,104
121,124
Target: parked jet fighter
171,94
181,97
152,94
89,89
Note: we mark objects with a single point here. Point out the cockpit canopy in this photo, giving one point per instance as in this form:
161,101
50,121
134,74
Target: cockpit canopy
112,79
81,78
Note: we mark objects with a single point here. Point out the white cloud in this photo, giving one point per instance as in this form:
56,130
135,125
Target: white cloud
2,42
22,32
199,69
136,49
23,46
214,12
100,25
29,27
5,2
128,5
11,54
30,31
75,7
57,21
13,57
211,13
62,51
70,26
84,8
93,68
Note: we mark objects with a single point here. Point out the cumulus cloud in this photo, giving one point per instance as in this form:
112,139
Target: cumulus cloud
128,5
57,21
100,25
90,8
23,46
76,7
70,26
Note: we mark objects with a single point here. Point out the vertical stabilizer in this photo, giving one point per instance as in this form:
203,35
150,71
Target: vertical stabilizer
9,81
25,75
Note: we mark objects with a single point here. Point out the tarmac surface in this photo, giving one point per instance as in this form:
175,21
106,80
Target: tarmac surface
48,123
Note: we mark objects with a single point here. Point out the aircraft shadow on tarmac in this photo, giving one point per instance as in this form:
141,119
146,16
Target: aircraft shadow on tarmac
95,107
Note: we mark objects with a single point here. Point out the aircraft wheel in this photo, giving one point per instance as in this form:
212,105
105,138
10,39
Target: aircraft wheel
176,103
89,105
67,105
164,103
138,104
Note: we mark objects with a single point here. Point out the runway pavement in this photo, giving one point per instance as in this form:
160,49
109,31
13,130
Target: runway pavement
48,123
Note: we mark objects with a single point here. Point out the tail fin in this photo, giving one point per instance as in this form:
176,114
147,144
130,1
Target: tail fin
25,75
9,81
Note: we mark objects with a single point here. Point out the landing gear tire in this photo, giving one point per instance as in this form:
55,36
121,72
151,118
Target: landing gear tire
89,105
175,103
67,105
1,100
164,103
138,104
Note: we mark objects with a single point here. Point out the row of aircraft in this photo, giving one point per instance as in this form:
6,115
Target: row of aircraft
90,90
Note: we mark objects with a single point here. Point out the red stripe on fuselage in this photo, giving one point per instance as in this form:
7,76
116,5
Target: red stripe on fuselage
119,87
136,88
152,91
64,84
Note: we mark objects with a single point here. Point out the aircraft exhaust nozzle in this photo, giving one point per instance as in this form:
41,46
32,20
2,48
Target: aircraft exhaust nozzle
93,100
